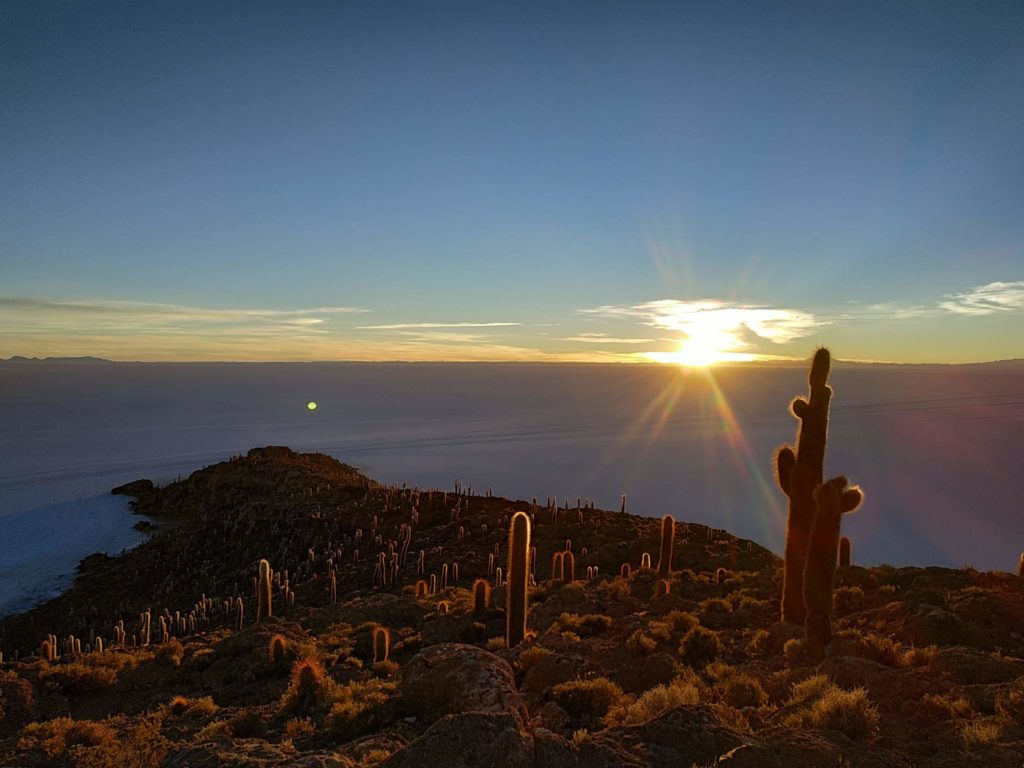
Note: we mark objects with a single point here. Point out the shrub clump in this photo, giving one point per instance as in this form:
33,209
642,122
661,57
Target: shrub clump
586,625
80,678
586,698
740,690
700,647
633,711
640,644
308,687
55,738
356,707
182,706
849,712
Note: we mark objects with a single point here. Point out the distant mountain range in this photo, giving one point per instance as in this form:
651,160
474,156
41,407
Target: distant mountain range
1011,363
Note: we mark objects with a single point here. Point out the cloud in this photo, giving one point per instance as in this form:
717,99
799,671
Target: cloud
987,299
603,338
404,326
716,329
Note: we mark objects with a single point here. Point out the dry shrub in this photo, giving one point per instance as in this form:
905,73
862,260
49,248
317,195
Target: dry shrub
495,643
810,689
740,690
758,643
635,710
531,656
660,631
586,698
980,733
356,706
640,644
936,708
247,725
89,744
700,647
848,599
181,706
298,727
54,738
586,625
308,687
681,621
172,652
1010,703
849,712
78,677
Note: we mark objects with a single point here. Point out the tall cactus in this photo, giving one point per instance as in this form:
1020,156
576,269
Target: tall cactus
518,577
799,473
668,535
381,644
832,500
265,608
844,552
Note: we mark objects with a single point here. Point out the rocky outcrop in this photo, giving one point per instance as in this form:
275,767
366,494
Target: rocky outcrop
469,740
452,679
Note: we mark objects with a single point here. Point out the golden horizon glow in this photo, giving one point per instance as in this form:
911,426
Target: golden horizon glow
711,337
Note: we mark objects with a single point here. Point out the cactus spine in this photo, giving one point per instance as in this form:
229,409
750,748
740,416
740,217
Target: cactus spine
518,576
798,473
668,535
832,500
844,552
264,609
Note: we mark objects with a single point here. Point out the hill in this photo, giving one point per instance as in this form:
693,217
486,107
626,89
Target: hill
926,666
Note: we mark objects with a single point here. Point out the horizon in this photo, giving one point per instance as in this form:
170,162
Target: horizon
584,182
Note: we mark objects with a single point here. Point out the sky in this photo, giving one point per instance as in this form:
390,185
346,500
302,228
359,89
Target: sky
595,181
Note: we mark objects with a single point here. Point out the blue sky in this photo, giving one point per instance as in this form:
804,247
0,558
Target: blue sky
565,170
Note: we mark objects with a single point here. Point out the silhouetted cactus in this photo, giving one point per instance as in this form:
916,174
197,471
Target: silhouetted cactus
557,567
518,576
832,500
663,588
720,576
265,607
798,473
381,644
1020,565
645,561
844,552
481,596
668,535
625,571
277,650
569,567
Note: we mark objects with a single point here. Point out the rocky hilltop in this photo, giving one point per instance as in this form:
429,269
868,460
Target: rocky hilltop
382,631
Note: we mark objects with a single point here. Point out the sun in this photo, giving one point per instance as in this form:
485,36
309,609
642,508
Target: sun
704,346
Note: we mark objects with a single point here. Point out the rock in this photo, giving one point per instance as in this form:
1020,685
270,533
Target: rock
930,625
968,666
552,751
136,488
554,717
469,740
249,753
749,756
450,679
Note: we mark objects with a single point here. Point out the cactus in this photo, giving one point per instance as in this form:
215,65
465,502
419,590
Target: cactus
832,500
844,552
645,561
798,473
568,566
720,576
277,649
518,575
481,596
663,588
1020,565
265,607
421,588
625,571
381,644
668,535
557,567
47,651
239,615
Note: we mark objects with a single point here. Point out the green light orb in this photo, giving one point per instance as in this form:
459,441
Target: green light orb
311,405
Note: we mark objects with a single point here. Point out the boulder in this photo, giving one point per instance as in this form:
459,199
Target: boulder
451,679
469,740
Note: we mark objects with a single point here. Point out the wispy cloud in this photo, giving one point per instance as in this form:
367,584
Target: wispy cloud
987,299
603,338
404,326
